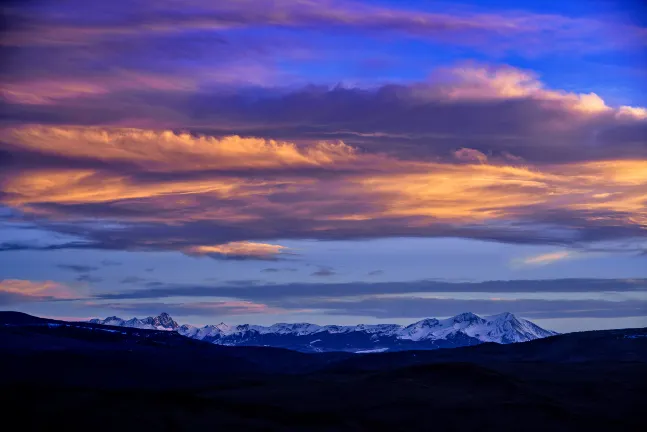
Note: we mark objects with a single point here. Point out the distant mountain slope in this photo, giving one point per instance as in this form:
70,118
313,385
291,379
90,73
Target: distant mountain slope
462,330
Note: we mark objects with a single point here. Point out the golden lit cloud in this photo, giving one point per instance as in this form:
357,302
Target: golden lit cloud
356,187
87,186
459,192
242,190
152,150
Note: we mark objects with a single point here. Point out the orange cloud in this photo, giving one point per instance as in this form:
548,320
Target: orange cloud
152,150
241,249
547,258
240,189
356,188
89,186
35,291
485,192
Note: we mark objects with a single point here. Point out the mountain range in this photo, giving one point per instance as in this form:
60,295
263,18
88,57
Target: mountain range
465,329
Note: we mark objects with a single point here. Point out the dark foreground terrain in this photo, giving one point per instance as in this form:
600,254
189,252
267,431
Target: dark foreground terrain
79,376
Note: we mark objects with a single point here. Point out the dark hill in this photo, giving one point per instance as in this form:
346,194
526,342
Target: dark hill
79,376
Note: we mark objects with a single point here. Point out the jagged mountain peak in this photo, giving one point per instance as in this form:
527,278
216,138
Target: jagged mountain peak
165,320
466,316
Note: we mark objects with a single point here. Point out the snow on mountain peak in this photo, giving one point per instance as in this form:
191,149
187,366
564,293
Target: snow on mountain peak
460,330
296,328
160,322
500,317
419,330
224,328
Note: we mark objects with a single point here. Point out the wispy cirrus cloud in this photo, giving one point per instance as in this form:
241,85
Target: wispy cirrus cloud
508,30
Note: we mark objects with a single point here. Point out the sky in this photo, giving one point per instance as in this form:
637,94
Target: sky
333,162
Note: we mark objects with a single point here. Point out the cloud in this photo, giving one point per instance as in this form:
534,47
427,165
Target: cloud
324,272
376,273
77,268
470,155
110,263
358,299
50,91
528,308
15,291
370,300
518,31
592,201
238,250
278,270
257,291
168,151
547,258
418,299
245,282
458,107
545,179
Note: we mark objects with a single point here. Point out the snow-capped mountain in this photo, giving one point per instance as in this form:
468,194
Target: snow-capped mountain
161,322
462,330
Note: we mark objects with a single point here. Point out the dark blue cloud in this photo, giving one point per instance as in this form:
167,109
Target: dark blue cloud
256,290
